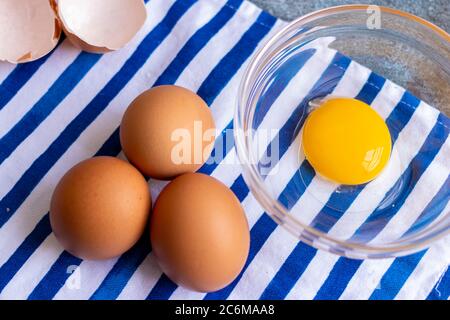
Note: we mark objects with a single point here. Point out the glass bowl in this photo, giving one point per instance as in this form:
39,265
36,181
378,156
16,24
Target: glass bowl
305,63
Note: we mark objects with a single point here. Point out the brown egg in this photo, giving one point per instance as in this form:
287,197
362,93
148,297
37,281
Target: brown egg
199,233
167,131
100,208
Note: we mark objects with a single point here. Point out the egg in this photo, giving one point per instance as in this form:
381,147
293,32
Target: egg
28,29
100,208
199,233
167,131
346,141
101,26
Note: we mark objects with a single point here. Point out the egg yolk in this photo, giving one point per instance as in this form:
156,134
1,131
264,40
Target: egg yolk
346,141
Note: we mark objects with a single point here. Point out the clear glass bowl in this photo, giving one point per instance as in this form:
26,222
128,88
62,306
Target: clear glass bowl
347,220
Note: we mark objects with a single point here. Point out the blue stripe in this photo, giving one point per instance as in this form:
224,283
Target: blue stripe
55,278
401,115
231,63
24,251
221,148
371,88
18,78
228,66
281,79
294,190
262,230
334,286
441,290
240,189
338,279
394,278
197,42
111,147
47,103
122,271
289,273
433,209
39,168
163,289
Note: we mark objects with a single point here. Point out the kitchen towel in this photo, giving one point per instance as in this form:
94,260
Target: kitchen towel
67,106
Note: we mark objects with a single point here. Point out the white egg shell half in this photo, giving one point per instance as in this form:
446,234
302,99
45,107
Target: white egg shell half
101,26
29,29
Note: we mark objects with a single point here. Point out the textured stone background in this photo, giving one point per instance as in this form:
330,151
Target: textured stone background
436,11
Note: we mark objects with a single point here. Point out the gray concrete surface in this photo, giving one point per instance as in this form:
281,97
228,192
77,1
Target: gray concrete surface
436,11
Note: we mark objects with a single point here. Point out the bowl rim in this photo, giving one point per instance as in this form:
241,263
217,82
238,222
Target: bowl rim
276,211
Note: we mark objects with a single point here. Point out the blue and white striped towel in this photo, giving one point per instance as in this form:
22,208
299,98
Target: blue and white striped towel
66,107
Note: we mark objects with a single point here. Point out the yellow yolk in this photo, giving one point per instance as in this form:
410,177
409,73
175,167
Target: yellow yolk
346,141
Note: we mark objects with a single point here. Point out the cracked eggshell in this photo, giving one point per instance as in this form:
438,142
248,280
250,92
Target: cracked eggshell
29,29
101,26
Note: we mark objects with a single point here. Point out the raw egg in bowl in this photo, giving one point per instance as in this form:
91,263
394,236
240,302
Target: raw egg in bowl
346,141
341,130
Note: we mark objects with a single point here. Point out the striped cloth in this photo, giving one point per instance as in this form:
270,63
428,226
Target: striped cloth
67,106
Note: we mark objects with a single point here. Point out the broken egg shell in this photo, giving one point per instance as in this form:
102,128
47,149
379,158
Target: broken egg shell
100,26
28,29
